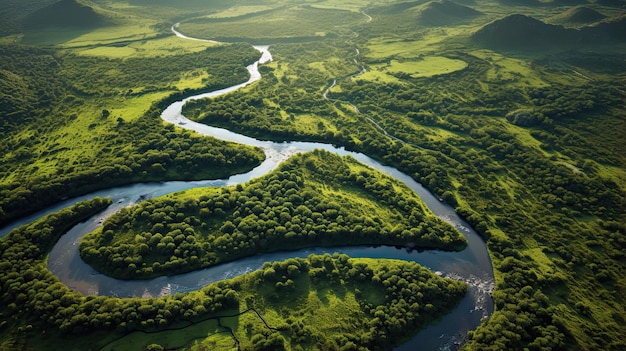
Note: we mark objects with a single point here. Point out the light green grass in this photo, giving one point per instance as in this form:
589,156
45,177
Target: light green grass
428,66
77,38
240,10
509,70
168,46
617,174
177,338
282,24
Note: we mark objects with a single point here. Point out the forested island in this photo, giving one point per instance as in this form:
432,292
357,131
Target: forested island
512,113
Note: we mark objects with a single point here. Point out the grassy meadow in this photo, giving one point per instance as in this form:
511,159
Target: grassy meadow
525,140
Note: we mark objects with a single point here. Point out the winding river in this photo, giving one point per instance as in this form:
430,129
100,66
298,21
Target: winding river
471,265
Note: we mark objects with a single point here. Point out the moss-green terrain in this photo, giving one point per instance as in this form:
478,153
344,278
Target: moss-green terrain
525,138
314,199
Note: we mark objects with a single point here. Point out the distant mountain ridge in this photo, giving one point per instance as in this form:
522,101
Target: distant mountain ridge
12,12
443,12
521,32
578,15
65,14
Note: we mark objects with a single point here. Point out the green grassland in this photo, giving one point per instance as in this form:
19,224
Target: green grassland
78,118
526,144
288,23
283,306
312,199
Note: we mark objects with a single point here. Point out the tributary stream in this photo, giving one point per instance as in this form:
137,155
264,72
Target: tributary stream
471,265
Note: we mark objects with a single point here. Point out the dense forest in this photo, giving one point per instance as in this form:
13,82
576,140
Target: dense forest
314,198
383,300
524,139
528,165
52,151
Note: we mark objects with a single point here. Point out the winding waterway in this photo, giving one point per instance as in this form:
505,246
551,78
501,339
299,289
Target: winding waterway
471,265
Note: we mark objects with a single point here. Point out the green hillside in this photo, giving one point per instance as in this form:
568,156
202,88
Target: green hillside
12,12
65,14
523,32
443,12
577,16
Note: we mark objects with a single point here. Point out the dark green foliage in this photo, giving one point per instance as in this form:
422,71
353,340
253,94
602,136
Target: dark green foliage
523,118
579,15
44,86
64,13
396,299
444,12
12,12
32,294
29,290
524,33
285,210
551,211
514,195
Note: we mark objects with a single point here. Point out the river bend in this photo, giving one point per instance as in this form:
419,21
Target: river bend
471,265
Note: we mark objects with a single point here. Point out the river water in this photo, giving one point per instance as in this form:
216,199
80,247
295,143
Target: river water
472,265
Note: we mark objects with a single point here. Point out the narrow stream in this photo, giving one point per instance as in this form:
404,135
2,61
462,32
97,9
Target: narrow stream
471,265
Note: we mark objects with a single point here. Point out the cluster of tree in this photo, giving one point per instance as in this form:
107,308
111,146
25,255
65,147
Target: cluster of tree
251,115
395,300
500,183
162,152
515,189
117,77
289,208
276,111
29,84
44,86
32,294
543,204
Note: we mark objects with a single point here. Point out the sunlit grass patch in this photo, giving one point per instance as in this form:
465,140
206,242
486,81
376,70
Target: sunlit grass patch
428,66
291,22
375,73
523,135
509,70
240,10
74,38
168,46
312,123
333,66
384,48
617,174
208,331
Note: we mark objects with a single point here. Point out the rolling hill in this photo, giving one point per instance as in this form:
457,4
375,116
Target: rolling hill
576,16
522,32
12,12
443,12
65,14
